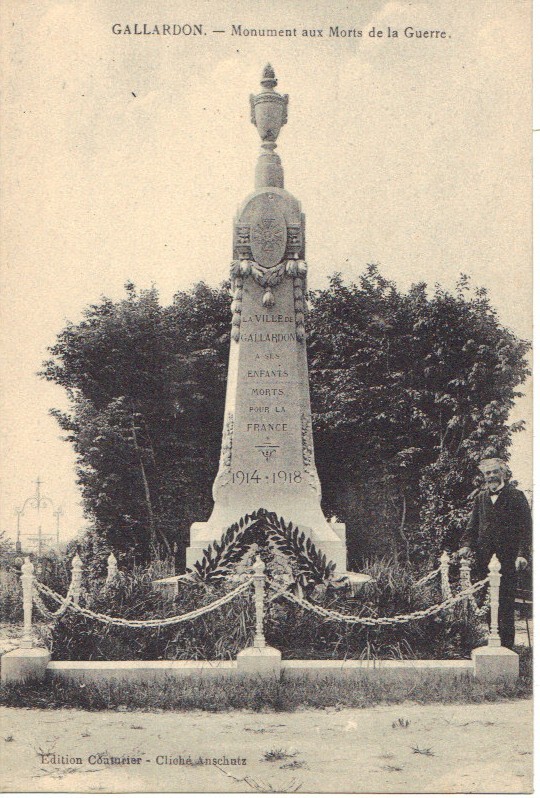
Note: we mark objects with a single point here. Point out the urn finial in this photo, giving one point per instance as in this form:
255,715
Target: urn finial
269,114
269,109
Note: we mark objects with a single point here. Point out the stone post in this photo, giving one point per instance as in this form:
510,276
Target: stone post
259,658
494,639
258,580
27,579
25,662
494,662
112,568
465,578
464,573
76,578
445,570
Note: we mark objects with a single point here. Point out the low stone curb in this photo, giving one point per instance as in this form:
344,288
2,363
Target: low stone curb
487,664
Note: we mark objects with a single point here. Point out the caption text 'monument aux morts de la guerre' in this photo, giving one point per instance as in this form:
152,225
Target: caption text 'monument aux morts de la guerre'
249,31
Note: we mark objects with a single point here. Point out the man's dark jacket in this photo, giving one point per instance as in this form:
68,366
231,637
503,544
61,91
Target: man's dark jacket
503,528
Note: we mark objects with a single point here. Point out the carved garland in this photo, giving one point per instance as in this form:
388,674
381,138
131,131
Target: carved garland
224,474
268,279
300,307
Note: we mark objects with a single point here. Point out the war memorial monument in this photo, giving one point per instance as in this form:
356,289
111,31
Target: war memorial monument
267,459
266,489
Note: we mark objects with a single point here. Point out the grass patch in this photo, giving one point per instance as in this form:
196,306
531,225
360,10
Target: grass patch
276,754
425,751
264,694
401,723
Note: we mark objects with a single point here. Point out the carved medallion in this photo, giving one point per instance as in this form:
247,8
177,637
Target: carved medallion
268,238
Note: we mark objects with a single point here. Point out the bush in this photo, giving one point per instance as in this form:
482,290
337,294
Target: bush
301,634
10,588
219,634
11,608
298,633
53,568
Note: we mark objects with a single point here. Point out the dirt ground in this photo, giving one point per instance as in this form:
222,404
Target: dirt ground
469,748
405,748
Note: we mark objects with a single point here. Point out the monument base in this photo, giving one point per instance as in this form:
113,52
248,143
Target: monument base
263,660
24,663
491,663
203,534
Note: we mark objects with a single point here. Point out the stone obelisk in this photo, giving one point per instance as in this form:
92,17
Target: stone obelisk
267,449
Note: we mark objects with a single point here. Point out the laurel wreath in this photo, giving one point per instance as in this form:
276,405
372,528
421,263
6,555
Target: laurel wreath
310,566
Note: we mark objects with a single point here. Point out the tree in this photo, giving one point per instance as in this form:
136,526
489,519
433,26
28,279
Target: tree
146,387
407,390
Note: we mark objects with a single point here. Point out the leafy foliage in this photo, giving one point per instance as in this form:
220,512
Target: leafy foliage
10,589
408,389
298,633
146,386
219,634
218,559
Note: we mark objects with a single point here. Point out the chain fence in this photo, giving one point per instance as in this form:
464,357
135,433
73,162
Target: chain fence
70,602
332,615
481,611
147,624
52,615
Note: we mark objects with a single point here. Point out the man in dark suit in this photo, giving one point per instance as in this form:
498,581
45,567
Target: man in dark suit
500,524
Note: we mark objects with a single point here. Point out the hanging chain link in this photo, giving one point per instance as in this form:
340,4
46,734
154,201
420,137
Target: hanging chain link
481,611
153,623
52,614
332,615
66,603
427,578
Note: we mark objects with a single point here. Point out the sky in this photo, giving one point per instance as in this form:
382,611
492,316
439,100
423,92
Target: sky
125,158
